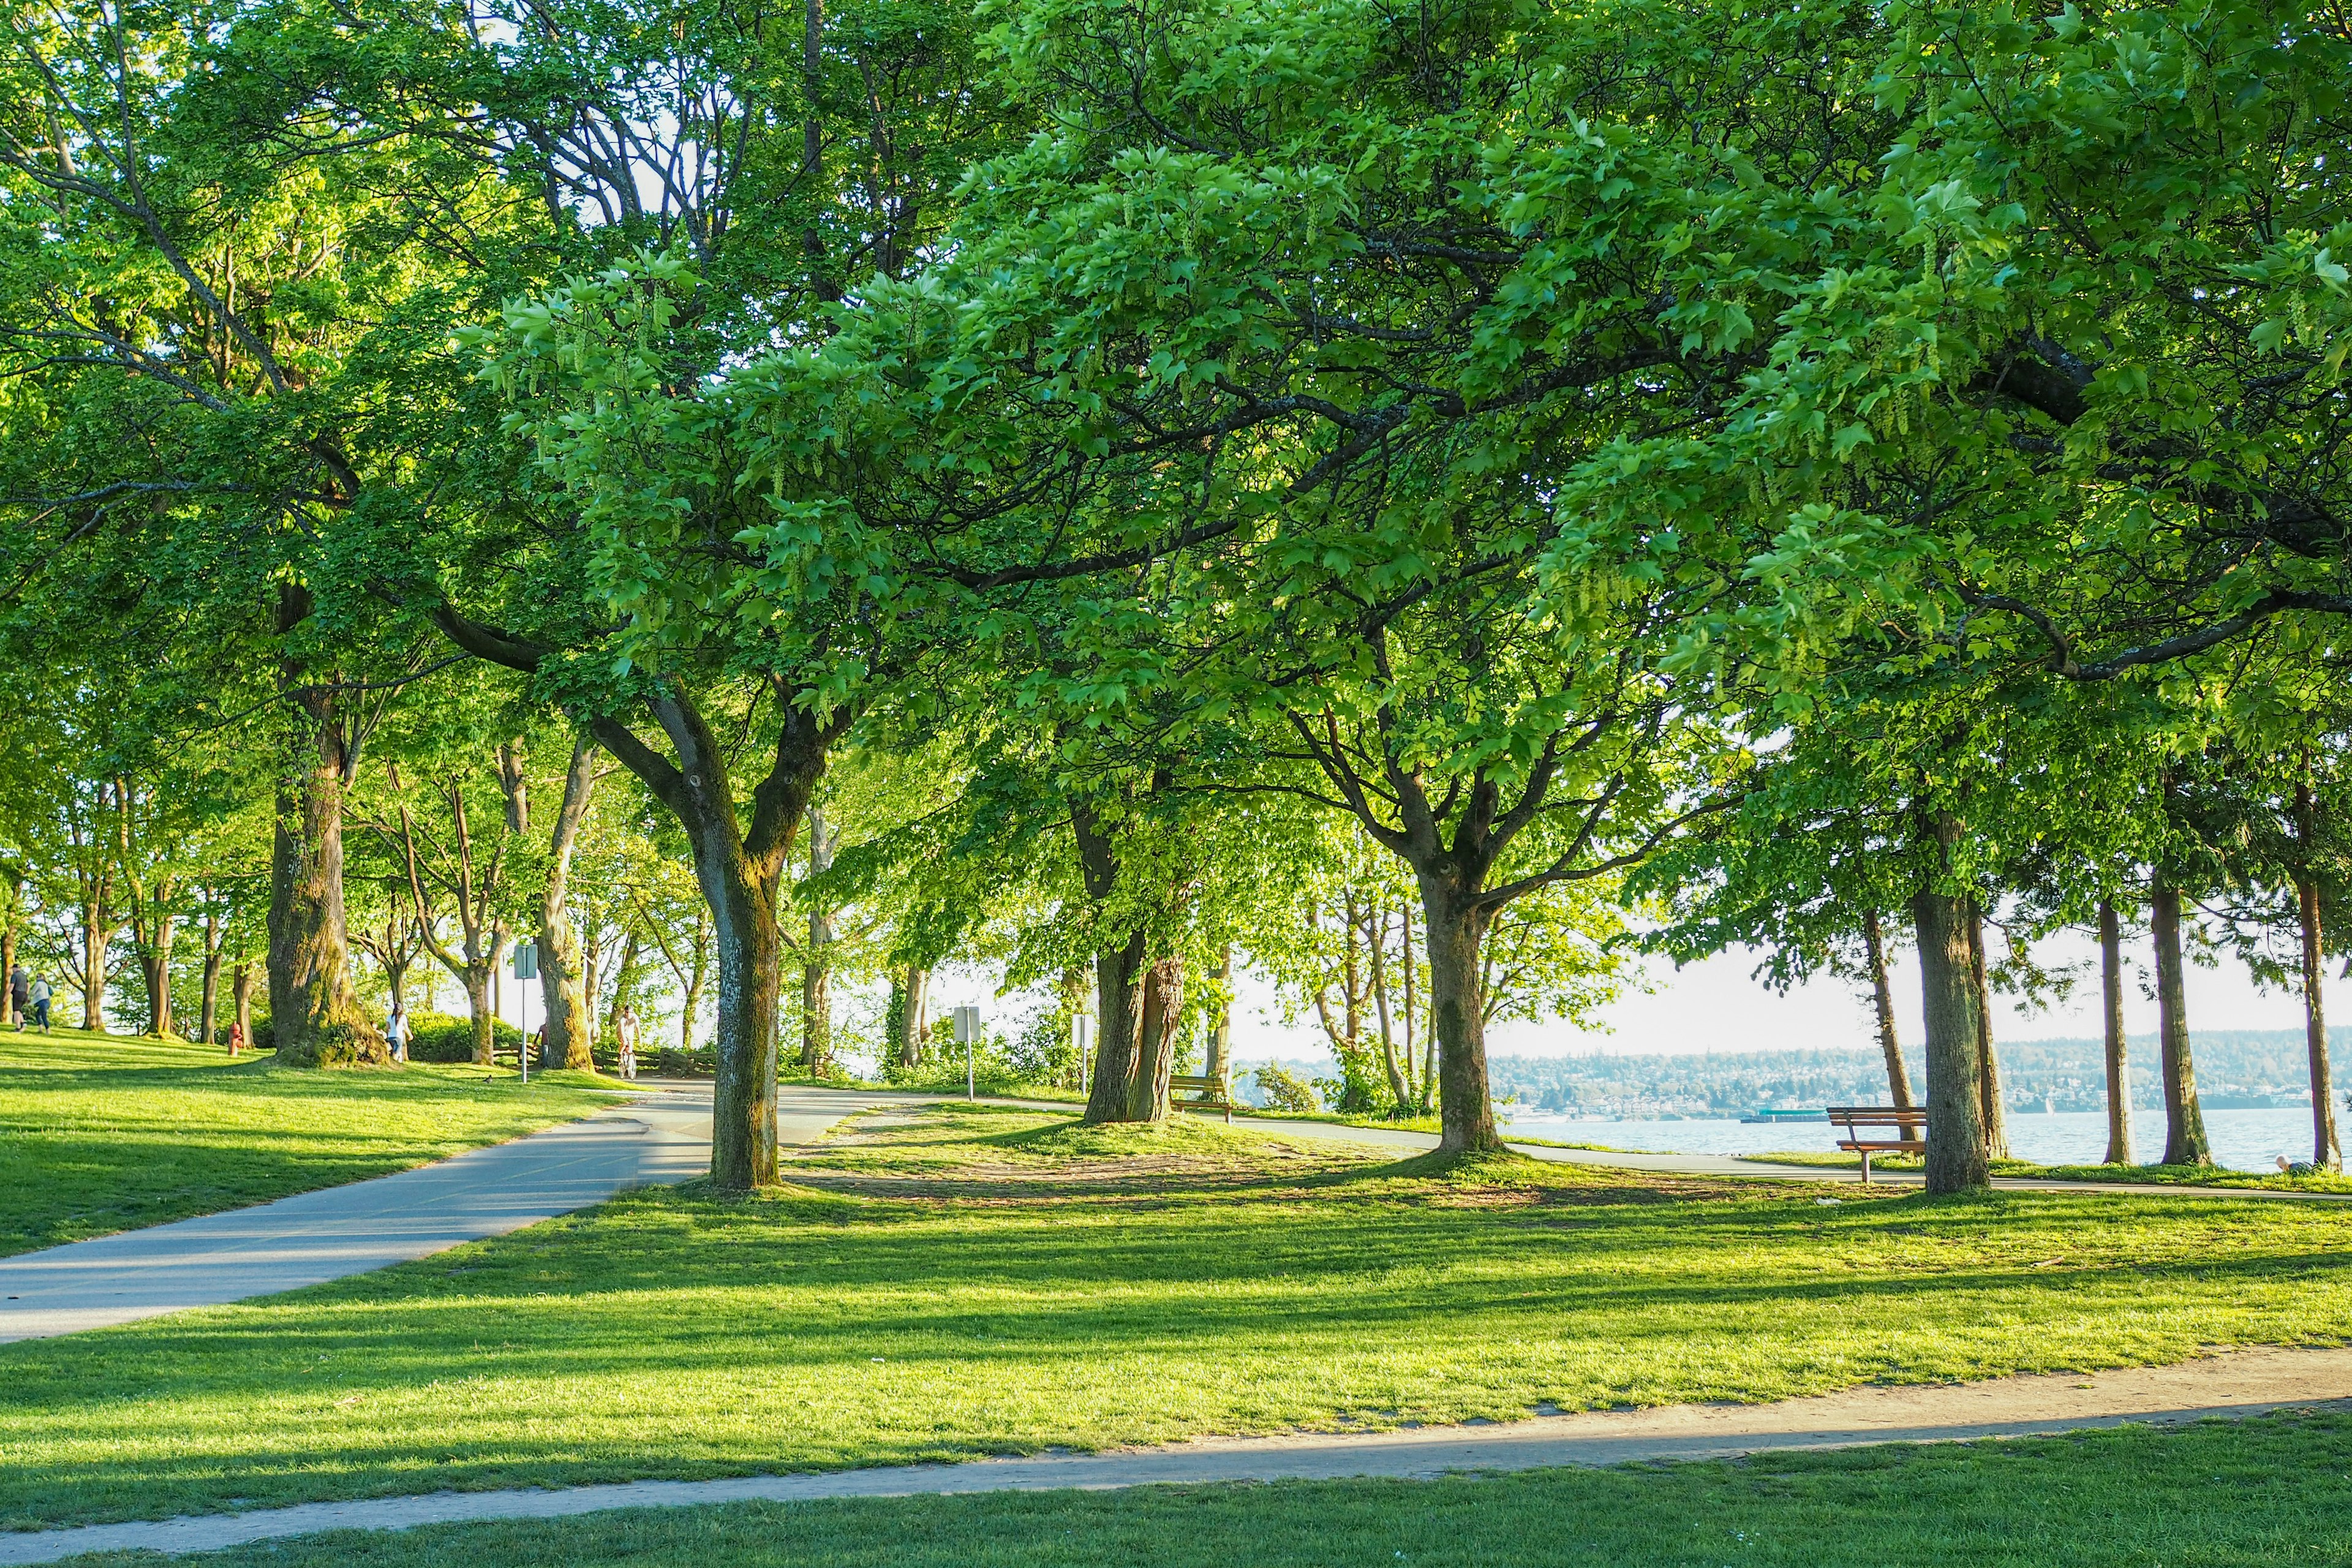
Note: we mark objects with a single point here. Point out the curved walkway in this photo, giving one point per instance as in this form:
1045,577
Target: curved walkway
2240,1383
661,1136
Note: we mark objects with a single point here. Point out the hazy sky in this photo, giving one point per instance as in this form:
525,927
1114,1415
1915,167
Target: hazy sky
1714,1004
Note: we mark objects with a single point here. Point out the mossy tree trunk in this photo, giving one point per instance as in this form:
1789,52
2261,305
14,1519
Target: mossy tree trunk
570,1035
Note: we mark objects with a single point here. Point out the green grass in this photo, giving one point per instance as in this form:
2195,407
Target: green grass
105,1133
947,1282
2160,1175
2266,1493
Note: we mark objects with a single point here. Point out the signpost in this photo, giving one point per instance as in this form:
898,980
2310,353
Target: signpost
966,1030
1081,1036
526,967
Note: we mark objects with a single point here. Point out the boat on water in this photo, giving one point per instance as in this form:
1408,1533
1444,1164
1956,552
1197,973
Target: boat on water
1778,1113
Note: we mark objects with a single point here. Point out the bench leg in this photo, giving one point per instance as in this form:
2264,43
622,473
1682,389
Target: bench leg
1865,1167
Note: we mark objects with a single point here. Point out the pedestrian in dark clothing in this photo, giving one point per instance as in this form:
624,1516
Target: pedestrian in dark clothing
20,995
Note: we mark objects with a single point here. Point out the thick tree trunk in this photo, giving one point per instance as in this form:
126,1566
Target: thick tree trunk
2110,1001
1155,1050
1221,1032
314,1013
750,959
1996,1104
485,1012
2184,1121
570,1035
1898,1077
1456,926
1956,1143
208,1006
1119,1013
909,1023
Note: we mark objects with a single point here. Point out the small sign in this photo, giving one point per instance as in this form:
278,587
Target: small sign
967,1025
526,961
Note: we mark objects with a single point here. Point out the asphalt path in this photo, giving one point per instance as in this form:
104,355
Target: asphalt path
664,1136
2237,1384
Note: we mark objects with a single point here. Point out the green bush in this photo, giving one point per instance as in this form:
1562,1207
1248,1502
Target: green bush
1285,1092
340,1045
441,1037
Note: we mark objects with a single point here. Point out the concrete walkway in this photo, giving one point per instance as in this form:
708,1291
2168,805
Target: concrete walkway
661,1136
2240,1383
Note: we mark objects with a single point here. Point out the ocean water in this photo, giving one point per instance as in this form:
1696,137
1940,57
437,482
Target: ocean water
2242,1140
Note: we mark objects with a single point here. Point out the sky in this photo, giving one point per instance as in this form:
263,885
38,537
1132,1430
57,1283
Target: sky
1714,1006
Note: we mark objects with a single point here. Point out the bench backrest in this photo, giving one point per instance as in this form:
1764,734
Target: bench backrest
1196,1083
1909,1118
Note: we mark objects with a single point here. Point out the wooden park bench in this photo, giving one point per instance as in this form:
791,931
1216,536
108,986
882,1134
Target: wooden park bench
1204,1093
1908,1126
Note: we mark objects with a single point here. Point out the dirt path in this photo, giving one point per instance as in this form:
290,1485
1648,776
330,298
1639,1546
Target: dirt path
2237,1383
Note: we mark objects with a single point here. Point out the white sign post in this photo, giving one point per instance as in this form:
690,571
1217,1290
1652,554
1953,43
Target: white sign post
526,967
966,1030
1081,1034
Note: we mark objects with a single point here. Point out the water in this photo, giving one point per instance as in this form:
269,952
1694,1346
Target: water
2242,1140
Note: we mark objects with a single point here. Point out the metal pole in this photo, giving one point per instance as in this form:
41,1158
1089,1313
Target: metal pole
967,1064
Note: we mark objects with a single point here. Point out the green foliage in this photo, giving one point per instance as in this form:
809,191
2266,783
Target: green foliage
1285,1090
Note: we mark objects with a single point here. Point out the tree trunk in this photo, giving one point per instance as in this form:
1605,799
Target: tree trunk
7,974
750,954
208,1008
2111,1000
1118,1012
1898,1077
816,970
1221,1032
1456,926
1155,1051
1996,1105
240,999
1956,1141
691,1008
909,1023
477,999
97,938
313,1010
2184,1121
1399,1089
2327,1149
155,963
570,1036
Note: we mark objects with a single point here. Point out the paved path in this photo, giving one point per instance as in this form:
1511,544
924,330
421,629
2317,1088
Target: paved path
664,1136
2245,1382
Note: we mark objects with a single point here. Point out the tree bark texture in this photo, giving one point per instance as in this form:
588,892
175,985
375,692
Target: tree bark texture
1898,1077
1956,1143
816,968
97,940
240,999
1161,1011
1119,978
1996,1105
314,1013
909,1021
1456,926
2185,1142
570,1035
2111,1002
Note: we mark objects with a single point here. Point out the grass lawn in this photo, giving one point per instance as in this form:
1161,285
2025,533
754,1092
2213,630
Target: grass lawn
102,1133
946,1282
2164,1175
2259,1493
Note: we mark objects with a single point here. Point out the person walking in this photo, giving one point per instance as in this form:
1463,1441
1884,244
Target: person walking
235,1036
395,1031
20,995
38,997
625,1026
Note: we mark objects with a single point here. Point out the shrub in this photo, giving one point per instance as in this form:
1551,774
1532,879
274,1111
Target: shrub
442,1037
1285,1092
339,1045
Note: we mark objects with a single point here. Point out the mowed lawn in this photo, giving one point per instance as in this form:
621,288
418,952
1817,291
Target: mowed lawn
2270,1493
104,1133
951,1282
